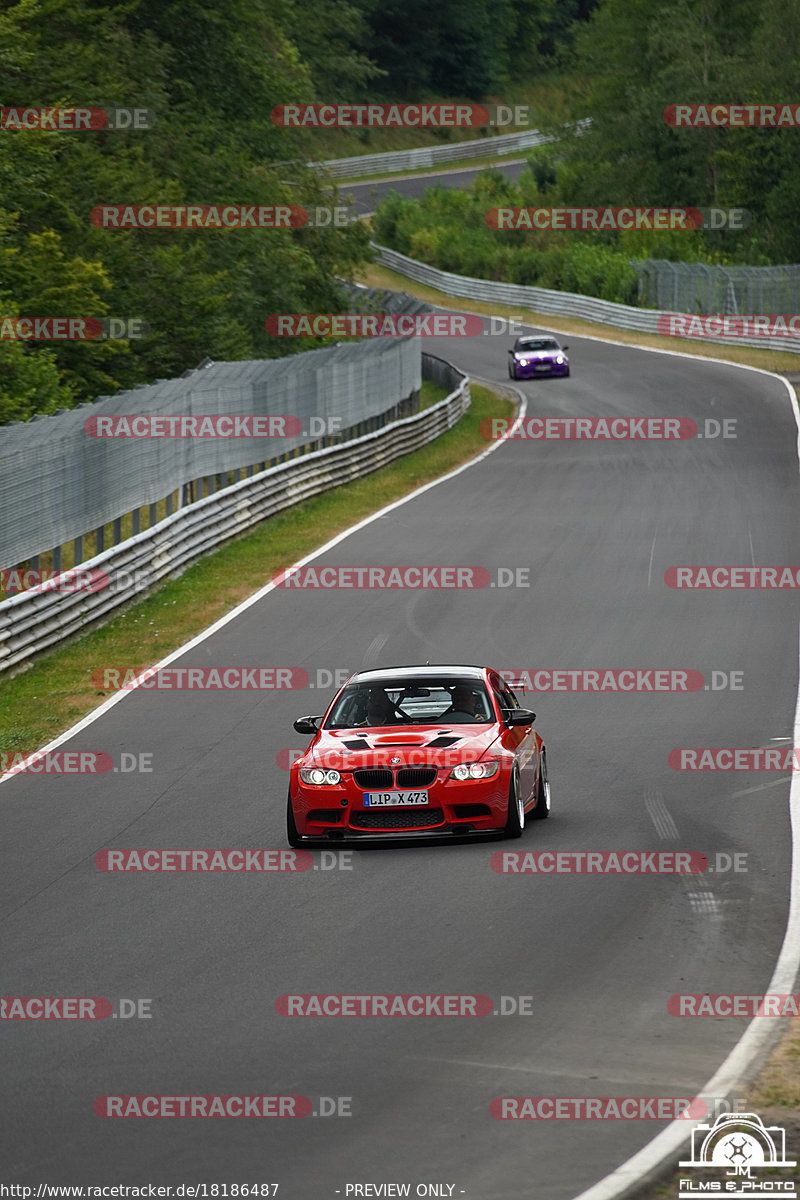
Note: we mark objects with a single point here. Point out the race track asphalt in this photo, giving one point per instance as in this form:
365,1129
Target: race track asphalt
596,524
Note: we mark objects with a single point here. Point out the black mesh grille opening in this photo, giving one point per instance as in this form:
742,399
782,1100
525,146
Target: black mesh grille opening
412,818
472,810
415,777
373,779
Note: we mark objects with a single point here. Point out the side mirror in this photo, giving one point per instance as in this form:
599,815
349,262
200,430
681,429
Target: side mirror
565,346
520,716
306,724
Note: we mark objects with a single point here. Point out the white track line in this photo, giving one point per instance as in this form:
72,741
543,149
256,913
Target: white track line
651,1162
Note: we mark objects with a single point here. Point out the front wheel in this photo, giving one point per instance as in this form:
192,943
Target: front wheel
542,808
292,836
516,809
512,371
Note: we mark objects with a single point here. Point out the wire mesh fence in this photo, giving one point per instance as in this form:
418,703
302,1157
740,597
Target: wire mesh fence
702,288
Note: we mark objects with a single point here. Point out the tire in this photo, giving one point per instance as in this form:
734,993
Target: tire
566,373
292,836
542,809
516,813
512,371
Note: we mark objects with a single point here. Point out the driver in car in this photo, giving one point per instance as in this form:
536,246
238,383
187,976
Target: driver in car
380,710
465,702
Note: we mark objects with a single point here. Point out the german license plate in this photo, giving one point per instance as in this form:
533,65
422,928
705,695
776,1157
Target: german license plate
394,799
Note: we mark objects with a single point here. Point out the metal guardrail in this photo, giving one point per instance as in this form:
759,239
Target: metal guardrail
562,304
430,156
33,621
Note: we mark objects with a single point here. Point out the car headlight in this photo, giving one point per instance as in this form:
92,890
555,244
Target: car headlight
523,362
476,770
318,776
560,358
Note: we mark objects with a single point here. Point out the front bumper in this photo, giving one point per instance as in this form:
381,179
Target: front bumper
469,806
541,370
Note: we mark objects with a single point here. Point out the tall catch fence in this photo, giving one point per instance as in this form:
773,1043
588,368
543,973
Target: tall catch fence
702,288
58,484
39,618
560,304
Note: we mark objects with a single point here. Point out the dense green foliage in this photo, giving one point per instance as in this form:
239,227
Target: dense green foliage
212,75
631,60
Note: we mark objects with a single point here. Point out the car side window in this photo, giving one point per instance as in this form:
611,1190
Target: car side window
503,694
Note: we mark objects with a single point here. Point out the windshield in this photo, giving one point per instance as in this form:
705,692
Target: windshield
538,344
412,702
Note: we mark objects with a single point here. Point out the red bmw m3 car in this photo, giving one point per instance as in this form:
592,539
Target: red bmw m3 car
418,751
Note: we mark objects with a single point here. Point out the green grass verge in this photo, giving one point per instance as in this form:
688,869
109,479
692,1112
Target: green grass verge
56,691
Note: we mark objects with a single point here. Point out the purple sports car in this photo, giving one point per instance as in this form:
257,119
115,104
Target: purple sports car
536,355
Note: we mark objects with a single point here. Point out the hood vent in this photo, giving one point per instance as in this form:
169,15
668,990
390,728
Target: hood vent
356,744
440,743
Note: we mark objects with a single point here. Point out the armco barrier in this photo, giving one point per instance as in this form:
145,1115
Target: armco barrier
562,304
430,156
33,621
